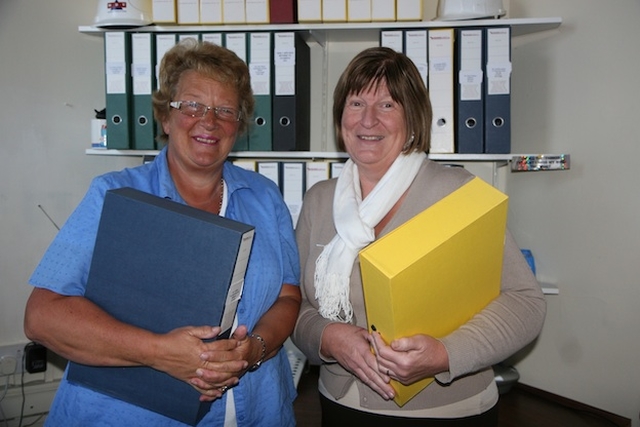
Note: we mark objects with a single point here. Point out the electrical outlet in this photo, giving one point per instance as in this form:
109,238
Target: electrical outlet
11,359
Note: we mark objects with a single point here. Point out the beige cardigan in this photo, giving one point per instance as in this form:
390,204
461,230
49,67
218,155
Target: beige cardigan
509,322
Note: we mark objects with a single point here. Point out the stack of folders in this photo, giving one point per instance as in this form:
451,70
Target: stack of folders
293,178
212,12
359,10
279,64
468,74
160,265
216,12
437,270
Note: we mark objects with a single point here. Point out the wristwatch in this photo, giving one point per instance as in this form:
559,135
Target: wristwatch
262,355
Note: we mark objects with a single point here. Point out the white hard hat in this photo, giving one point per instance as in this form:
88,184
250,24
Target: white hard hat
455,10
126,13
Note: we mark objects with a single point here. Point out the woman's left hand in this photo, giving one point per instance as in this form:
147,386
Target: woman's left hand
222,369
410,359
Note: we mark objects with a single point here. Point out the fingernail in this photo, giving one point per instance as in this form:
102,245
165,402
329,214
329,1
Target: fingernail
199,372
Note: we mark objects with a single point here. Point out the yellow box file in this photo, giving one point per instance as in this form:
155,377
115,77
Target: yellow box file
437,270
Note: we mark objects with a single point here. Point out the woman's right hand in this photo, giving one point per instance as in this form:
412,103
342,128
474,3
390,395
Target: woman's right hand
349,346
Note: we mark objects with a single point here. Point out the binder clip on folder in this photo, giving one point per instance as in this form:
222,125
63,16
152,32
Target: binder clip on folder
458,10
123,14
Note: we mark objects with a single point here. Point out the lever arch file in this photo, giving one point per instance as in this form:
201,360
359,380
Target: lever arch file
160,265
469,91
291,110
497,129
434,272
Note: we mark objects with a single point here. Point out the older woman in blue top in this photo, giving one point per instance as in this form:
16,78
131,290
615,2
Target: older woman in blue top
204,102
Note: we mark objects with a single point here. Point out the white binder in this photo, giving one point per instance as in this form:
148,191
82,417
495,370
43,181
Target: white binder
441,90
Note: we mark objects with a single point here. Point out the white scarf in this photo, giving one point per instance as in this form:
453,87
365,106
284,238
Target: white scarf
354,220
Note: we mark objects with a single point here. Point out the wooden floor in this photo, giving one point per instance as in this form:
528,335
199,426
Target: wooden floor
522,406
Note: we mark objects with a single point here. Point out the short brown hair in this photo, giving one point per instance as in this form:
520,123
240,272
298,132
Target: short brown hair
211,61
384,65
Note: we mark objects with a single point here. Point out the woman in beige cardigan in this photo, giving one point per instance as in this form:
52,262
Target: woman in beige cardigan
382,118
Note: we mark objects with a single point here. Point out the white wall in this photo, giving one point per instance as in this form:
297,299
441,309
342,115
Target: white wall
51,80
575,91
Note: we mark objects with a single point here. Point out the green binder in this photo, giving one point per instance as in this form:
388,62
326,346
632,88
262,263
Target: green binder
143,76
260,65
117,50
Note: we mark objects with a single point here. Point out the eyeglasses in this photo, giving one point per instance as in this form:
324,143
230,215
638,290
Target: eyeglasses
195,109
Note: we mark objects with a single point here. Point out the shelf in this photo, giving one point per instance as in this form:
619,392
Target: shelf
333,155
123,153
234,154
348,30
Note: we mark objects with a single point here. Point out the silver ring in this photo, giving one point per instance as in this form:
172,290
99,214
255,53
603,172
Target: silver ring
223,389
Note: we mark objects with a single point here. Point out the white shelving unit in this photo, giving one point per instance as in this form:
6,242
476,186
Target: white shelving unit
334,43
520,27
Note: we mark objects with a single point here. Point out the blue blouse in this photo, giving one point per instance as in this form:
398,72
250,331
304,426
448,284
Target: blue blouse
263,397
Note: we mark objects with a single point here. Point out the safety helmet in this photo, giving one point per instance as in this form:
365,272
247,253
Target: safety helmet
455,10
123,13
